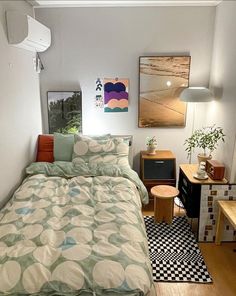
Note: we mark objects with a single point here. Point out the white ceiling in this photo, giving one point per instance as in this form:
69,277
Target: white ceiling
120,3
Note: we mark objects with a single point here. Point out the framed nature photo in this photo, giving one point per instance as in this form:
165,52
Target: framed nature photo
161,80
64,111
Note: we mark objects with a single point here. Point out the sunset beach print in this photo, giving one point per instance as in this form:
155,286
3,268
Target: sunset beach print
162,79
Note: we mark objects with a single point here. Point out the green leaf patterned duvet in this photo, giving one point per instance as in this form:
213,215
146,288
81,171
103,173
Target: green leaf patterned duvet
66,234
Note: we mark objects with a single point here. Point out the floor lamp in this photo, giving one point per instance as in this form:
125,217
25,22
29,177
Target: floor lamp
195,95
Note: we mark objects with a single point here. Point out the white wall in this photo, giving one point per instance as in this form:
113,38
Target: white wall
107,42
20,110
223,110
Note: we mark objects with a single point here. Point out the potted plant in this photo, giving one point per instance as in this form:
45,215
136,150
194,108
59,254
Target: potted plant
151,143
206,138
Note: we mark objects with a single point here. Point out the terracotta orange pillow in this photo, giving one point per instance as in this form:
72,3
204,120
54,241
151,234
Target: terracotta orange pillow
45,148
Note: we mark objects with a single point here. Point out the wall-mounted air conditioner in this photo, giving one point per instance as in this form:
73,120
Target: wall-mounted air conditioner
25,32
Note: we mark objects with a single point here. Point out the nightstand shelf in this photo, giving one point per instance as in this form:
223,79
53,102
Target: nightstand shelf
157,169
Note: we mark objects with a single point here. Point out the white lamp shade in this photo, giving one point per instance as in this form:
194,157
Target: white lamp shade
196,94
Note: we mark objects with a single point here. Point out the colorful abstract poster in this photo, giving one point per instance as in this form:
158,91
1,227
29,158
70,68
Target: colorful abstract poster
116,95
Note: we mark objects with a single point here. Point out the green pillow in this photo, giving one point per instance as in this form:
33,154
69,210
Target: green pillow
63,147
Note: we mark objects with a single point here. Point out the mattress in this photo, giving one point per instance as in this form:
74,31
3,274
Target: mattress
66,233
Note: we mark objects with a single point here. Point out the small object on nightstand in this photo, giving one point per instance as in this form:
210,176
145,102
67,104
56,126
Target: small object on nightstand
215,169
201,172
204,177
151,143
164,202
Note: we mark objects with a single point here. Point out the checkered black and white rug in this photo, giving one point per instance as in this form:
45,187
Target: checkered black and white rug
174,252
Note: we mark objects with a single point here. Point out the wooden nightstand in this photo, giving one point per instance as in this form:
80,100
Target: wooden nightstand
157,169
190,188
199,199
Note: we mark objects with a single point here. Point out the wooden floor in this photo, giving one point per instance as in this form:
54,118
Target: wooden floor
221,263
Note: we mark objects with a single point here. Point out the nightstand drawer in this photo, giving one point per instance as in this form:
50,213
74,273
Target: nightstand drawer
189,195
186,186
160,169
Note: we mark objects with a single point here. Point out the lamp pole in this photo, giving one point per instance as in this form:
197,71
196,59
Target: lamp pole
193,124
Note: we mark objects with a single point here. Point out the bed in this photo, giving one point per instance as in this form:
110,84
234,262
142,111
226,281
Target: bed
76,228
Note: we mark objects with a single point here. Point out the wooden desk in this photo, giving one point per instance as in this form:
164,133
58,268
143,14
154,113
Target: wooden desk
226,209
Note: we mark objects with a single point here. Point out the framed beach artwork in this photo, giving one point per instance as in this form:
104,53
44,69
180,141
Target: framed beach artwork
161,80
64,111
116,93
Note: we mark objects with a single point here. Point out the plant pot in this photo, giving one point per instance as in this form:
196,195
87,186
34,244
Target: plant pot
203,157
151,150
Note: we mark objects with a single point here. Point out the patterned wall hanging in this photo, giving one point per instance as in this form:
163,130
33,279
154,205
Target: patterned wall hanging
99,103
116,95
